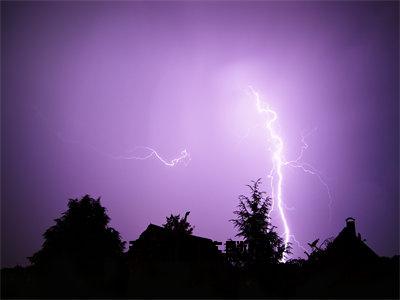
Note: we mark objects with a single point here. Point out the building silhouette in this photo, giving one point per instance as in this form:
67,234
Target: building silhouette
348,247
163,263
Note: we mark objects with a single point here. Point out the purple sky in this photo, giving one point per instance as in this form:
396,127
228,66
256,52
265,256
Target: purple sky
83,81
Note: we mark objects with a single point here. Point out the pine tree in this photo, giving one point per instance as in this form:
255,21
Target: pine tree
264,245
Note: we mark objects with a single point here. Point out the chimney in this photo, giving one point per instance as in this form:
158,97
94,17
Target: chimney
351,226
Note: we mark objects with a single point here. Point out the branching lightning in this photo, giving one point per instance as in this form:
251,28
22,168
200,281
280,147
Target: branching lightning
307,168
279,162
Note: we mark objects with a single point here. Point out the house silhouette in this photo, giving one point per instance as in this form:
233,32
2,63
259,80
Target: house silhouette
348,268
158,243
349,247
177,264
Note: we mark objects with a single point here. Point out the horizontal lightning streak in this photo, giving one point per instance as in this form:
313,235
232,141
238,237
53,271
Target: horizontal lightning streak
184,156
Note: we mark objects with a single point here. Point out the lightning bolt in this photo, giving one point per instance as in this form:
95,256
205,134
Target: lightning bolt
279,162
275,175
184,156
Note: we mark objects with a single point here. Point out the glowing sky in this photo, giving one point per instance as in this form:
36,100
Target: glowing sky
84,83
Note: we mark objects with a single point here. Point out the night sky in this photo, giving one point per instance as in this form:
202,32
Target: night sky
84,83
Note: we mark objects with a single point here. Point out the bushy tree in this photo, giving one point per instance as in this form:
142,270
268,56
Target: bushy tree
81,254
179,225
264,245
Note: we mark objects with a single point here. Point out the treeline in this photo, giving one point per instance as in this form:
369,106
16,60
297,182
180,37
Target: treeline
83,257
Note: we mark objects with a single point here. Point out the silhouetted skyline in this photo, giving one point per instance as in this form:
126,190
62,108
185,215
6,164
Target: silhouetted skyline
82,256
82,81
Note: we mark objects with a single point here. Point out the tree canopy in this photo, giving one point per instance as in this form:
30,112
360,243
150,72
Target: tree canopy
264,245
179,225
80,245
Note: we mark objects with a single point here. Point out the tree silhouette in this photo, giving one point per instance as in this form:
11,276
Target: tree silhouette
318,253
81,254
264,245
179,225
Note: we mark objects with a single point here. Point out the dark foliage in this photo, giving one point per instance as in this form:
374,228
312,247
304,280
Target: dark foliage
82,257
318,253
179,225
81,254
264,245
